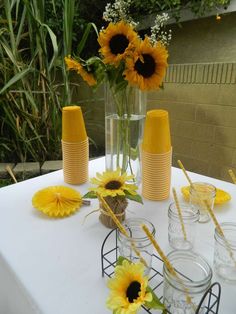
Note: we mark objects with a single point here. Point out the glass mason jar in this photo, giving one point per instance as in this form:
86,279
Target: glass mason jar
225,253
180,239
200,192
139,239
125,110
194,279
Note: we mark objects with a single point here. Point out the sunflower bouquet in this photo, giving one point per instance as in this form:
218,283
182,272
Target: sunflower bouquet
127,63
125,58
114,188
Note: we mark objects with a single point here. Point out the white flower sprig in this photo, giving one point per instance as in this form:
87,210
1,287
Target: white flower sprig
158,32
118,11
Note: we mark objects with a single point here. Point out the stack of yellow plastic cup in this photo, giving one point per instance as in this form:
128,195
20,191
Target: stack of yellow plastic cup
75,146
156,156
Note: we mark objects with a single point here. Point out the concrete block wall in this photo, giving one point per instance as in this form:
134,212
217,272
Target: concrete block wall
203,126
92,104
200,95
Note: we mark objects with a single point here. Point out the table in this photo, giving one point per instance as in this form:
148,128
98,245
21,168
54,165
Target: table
52,266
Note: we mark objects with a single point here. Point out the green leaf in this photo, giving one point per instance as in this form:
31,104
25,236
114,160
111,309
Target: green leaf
137,198
120,260
85,36
155,303
134,152
90,194
93,60
14,79
54,44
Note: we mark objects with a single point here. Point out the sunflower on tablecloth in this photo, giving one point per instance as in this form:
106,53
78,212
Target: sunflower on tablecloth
129,289
113,183
116,189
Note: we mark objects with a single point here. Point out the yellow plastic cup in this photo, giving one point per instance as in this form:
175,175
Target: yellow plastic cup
73,127
156,138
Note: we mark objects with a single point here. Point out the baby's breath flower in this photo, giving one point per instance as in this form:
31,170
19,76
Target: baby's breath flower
158,32
118,11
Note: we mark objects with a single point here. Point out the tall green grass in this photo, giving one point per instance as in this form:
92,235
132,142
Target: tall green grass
31,70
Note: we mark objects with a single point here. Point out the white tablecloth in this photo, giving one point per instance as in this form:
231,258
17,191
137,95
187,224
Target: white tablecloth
52,266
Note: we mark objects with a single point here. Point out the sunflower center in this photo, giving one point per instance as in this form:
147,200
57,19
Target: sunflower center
133,290
113,185
147,67
118,44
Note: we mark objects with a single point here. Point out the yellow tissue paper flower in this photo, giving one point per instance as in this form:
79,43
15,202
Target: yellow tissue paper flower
57,201
221,196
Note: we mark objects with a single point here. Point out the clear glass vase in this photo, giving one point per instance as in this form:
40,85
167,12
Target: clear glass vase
125,110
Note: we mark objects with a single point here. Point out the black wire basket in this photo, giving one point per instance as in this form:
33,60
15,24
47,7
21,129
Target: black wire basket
209,303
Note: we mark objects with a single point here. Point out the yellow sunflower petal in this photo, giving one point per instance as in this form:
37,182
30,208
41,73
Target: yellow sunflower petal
72,64
116,41
147,68
119,299
112,183
57,201
77,66
95,181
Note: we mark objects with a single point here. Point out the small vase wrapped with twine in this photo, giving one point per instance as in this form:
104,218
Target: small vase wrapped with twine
118,205
115,188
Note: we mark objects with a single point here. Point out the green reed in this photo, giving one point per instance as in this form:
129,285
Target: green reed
31,94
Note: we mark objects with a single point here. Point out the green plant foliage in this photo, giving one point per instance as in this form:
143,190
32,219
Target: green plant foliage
34,84
30,106
174,7
35,36
85,12
5,182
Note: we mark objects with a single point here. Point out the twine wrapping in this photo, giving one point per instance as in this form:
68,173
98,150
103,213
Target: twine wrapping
117,205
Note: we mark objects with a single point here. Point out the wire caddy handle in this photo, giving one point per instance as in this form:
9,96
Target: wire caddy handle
209,302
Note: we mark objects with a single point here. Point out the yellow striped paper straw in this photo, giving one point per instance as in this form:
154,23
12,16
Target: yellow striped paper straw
220,231
159,250
179,213
190,181
232,175
185,172
166,262
121,228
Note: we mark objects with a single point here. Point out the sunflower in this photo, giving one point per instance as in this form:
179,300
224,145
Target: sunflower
57,201
116,41
112,183
128,288
147,67
77,66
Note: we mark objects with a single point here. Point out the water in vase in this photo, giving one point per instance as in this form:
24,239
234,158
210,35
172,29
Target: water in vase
123,139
